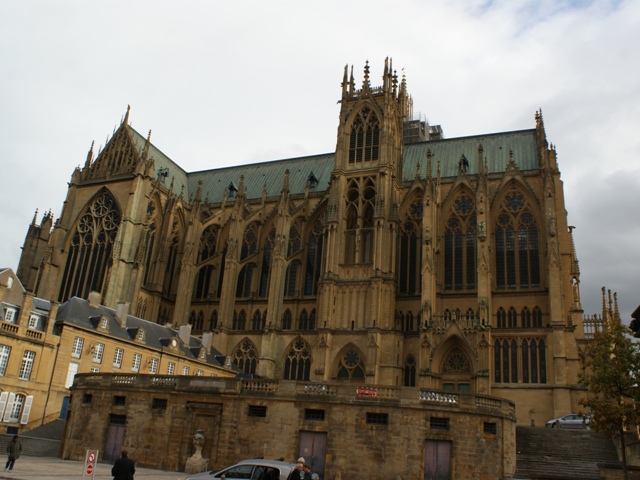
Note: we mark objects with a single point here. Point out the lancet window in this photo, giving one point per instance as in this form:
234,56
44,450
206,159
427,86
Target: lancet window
208,242
410,251
257,323
243,287
313,268
534,361
239,320
170,272
286,320
249,241
364,141
517,249
291,276
295,241
213,320
359,221
149,242
410,371
297,364
505,353
263,290
90,249
460,245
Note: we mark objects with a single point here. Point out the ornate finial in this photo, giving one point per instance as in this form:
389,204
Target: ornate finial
147,144
417,170
285,182
87,164
126,116
365,82
35,218
241,191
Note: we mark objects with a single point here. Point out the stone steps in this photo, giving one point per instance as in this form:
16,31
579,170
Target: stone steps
552,453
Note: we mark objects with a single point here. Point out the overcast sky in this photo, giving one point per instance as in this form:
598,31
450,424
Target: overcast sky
236,82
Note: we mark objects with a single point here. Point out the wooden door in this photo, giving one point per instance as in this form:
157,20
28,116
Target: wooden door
437,460
313,446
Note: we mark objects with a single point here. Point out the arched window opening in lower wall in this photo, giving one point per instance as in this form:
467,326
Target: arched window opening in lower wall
297,365
351,367
245,356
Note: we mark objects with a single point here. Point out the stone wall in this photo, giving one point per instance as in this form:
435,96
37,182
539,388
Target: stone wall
371,432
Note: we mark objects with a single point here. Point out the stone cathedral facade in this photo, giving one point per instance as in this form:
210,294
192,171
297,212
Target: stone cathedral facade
402,258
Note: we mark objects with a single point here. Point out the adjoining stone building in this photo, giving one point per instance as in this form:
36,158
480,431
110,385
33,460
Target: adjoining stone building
43,345
401,259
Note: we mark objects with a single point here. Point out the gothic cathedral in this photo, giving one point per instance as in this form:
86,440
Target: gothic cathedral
401,259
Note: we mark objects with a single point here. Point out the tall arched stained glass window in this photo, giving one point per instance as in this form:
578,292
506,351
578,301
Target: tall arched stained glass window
90,249
460,245
517,249
364,141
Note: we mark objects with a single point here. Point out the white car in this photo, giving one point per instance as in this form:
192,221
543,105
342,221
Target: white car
570,420
252,469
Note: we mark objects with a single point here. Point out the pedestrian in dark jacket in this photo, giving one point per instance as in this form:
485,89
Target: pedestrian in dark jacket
123,468
14,449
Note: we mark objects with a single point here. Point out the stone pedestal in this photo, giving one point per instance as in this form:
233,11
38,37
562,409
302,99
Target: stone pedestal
197,464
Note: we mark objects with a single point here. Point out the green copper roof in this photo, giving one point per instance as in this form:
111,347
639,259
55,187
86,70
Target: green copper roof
495,147
270,175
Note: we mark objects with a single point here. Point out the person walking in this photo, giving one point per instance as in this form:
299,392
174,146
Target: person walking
123,468
14,449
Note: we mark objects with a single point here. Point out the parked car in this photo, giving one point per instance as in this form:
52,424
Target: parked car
570,420
253,469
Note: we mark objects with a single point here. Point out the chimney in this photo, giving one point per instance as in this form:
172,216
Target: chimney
121,313
207,338
185,334
94,299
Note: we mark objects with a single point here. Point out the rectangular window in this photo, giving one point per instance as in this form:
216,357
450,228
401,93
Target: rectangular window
377,418
27,365
199,373
71,372
257,411
33,322
9,314
439,423
313,414
5,351
14,407
87,398
119,400
95,370
159,404
117,358
490,428
137,360
76,349
98,350
185,370
171,368
153,366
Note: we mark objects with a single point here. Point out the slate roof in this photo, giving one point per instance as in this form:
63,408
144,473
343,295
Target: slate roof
270,174
78,312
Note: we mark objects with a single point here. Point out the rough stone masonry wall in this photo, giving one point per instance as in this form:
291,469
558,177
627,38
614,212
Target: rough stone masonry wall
355,449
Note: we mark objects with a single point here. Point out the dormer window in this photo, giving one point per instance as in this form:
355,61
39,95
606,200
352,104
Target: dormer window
34,321
9,314
104,323
203,353
233,190
141,335
313,180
